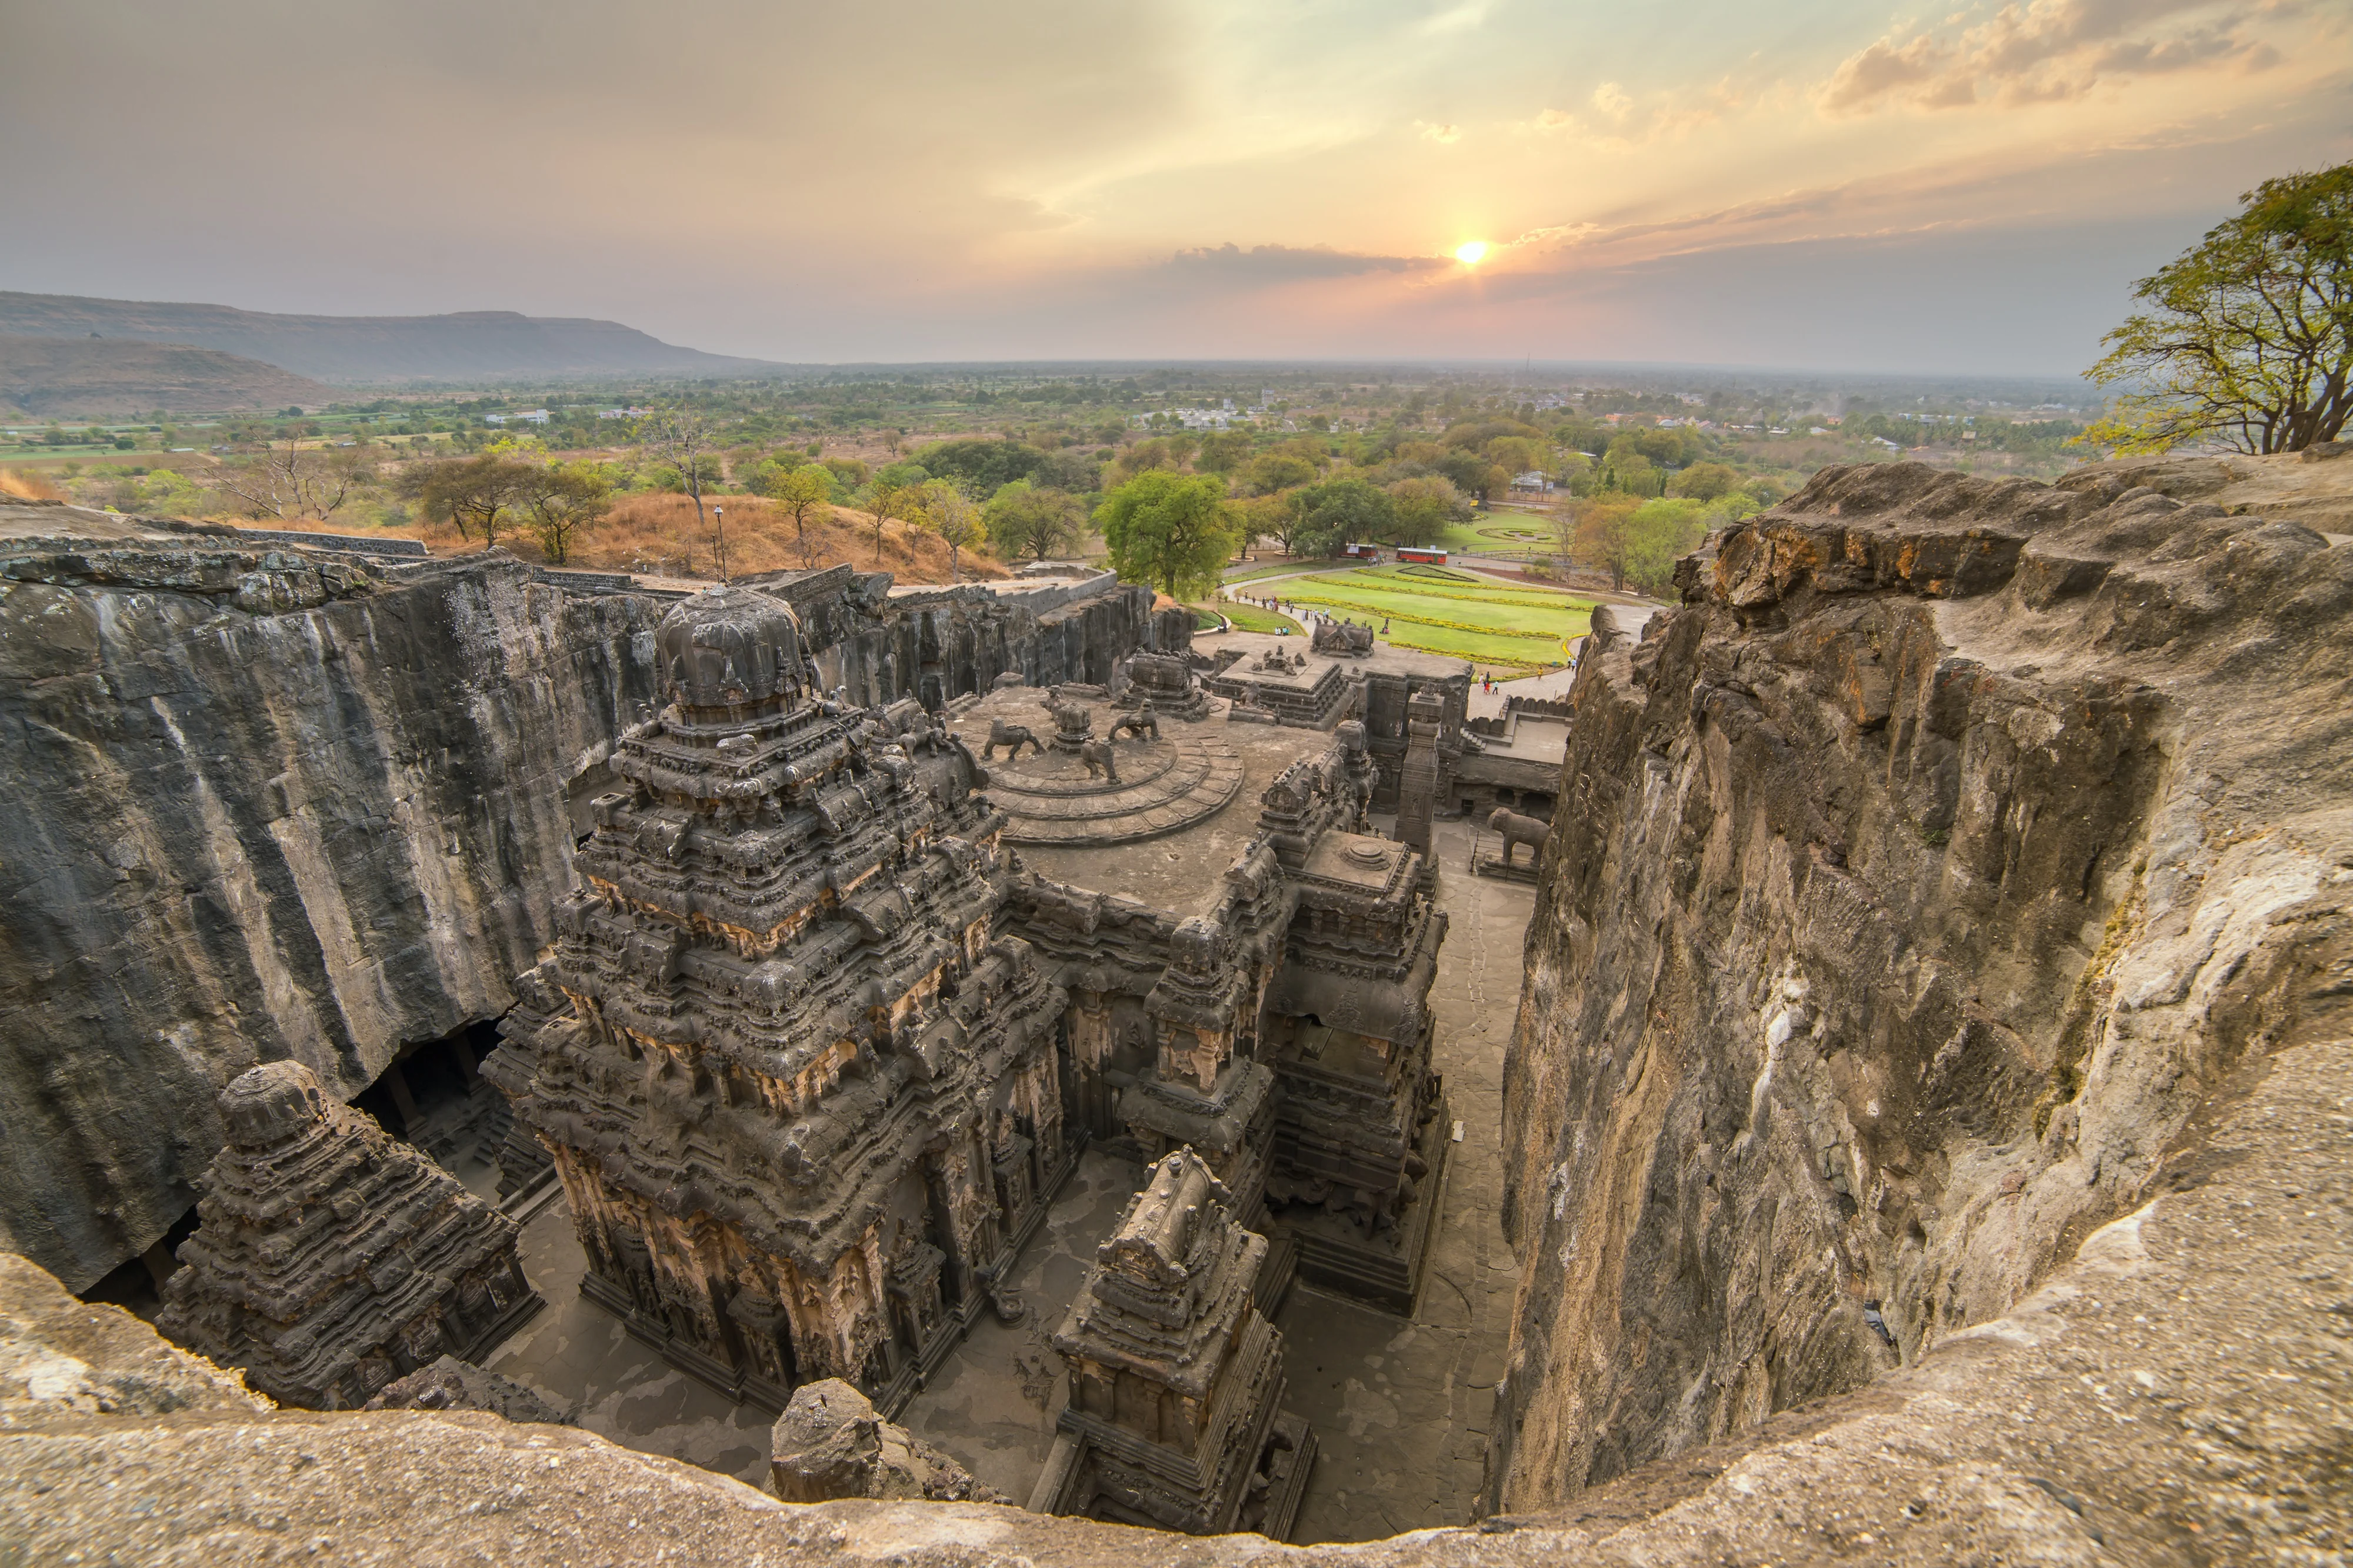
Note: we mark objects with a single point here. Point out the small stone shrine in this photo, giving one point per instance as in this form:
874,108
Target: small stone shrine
801,1095
331,1259
1175,1418
1164,683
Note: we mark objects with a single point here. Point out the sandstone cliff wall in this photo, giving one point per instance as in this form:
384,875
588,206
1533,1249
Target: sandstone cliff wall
258,811
1912,887
266,804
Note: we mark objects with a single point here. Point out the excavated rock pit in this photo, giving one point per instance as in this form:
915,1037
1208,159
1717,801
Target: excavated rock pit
1943,931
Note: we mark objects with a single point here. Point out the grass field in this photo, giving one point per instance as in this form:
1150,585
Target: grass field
1250,618
1451,613
1277,569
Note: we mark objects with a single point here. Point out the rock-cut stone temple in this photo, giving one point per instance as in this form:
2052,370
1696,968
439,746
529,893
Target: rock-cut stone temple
332,1259
802,1099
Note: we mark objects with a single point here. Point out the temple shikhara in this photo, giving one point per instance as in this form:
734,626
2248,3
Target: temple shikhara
332,1259
803,1099
844,989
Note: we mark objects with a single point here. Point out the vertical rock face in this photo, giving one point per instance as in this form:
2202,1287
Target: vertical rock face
263,808
332,1259
1911,886
799,1096
1175,1379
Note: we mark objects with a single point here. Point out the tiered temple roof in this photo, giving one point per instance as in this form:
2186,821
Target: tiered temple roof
332,1259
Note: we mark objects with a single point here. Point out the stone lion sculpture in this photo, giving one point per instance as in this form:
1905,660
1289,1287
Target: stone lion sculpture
1517,830
1144,722
1070,718
1014,736
1100,759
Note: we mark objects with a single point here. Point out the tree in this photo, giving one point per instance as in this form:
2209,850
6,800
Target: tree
2249,334
1343,509
291,483
1598,530
1425,508
1706,481
886,500
1223,452
981,467
565,503
1472,474
1659,534
1152,454
1066,470
1169,529
476,494
805,495
946,511
1025,520
682,437
1269,472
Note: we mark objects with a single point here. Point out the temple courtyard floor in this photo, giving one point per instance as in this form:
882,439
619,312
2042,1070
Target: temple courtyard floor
1400,1405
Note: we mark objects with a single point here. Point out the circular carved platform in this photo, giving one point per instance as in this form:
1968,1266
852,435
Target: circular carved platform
1163,785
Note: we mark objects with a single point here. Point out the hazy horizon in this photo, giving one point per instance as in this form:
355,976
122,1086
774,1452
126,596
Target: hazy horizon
1826,188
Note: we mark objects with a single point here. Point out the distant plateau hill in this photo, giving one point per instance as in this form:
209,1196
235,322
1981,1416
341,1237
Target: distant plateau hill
467,347
55,378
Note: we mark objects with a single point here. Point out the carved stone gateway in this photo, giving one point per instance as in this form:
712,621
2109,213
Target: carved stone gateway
1176,1379
802,1101
332,1259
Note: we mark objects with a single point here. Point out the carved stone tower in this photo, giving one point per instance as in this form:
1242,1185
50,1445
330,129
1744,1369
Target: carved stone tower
1417,785
802,1103
1175,1379
332,1259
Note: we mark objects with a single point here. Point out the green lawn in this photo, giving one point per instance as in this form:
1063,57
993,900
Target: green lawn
1487,623
1250,618
1279,569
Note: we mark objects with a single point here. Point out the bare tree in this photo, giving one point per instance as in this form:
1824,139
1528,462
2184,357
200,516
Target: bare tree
887,501
682,437
946,512
806,496
291,483
473,493
565,503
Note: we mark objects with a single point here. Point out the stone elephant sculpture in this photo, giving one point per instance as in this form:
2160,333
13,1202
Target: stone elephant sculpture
1516,830
1014,736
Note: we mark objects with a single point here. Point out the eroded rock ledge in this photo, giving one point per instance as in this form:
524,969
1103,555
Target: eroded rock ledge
1915,886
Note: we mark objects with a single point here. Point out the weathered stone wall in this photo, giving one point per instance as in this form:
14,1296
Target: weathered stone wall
1910,888
265,805
940,644
251,822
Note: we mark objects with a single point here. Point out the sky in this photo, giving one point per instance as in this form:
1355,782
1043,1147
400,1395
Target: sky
1809,183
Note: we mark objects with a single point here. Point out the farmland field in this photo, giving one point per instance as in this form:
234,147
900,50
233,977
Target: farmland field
1453,613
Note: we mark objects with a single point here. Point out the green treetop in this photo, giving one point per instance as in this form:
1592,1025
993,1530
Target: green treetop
2248,335
1173,530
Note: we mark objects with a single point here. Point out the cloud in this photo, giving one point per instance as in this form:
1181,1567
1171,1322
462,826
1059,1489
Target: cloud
2049,51
1612,99
1281,263
1459,19
1442,134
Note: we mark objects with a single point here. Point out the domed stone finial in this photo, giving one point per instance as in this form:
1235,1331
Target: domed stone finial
270,1104
731,647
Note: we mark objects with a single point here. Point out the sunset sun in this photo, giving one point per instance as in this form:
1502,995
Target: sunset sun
1470,252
